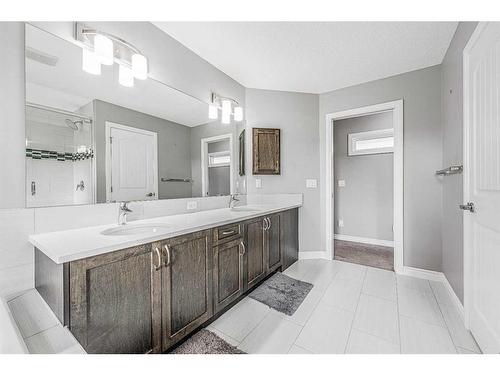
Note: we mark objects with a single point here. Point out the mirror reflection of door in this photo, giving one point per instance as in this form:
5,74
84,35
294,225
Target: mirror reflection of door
217,165
132,163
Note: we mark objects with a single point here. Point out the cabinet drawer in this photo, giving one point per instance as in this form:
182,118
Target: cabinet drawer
227,233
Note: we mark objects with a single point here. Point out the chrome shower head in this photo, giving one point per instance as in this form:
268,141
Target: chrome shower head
75,125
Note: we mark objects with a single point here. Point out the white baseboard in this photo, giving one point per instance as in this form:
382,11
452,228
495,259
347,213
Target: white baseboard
436,276
313,255
423,274
371,241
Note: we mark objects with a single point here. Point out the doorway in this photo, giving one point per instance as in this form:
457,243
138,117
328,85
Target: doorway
217,163
131,163
386,139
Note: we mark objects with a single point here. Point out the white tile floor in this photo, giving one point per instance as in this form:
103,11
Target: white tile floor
41,330
351,309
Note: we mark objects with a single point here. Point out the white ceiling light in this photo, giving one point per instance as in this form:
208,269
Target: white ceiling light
103,48
226,111
90,62
140,66
125,76
238,114
213,112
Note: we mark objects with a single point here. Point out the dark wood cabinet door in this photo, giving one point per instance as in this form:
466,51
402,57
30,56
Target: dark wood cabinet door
254,260
290,237
273,242
114,302
186,292
266,151
228,273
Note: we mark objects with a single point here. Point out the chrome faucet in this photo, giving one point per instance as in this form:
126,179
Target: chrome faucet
232,199
124,210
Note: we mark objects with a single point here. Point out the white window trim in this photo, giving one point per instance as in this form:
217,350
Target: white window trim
372,134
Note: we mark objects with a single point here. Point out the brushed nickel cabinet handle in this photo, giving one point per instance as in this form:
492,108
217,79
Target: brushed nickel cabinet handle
158,255
167,263
243,248
227,232
269,221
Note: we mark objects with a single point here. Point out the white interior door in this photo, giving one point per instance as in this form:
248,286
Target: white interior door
132,164
482,185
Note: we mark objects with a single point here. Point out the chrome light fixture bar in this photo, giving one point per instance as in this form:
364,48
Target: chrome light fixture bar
226,106
102,48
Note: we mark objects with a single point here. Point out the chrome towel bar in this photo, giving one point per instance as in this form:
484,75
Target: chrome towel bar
453,169
190,180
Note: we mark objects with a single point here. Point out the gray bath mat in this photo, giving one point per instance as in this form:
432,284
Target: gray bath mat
206,342
282,293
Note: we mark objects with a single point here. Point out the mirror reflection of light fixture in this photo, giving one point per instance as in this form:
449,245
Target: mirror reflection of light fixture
90,62
103,49
226,111
100,47
226,105
125,76
213,112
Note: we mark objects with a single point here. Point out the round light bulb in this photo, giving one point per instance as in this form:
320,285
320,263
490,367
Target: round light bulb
90,62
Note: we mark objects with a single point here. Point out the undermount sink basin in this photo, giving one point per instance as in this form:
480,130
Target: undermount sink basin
246,209
128,229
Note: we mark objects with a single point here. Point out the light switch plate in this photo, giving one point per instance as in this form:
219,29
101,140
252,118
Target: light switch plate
341,183
341,223
311,183
192,205
258,183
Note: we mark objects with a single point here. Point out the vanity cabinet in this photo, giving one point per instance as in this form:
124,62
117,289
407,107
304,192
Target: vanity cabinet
186,284
266,151
255,264
114,303
147,298
228,273
272,241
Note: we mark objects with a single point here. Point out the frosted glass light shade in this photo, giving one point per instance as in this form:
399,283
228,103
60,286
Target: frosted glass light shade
140,66
90,62
226,111
238,114
103,48
125,76
213,112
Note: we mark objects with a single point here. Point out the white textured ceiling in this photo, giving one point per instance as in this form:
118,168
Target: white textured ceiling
314,57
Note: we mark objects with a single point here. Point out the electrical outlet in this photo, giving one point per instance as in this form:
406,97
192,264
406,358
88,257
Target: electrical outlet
341,183
341,223
192,205
258,183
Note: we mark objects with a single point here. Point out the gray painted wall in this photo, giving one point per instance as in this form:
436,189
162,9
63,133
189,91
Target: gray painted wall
174,150
452,117
366,202
296,114
421,92
12,109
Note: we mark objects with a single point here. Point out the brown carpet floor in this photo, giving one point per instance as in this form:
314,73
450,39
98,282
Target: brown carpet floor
365,254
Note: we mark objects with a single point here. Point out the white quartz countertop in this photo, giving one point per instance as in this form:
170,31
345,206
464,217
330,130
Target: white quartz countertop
69,245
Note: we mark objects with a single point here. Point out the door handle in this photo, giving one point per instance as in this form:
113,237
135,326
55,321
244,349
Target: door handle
150,194
468,207
167,249
158,254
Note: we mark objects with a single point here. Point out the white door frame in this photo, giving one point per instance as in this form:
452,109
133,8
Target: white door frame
397,109
108,125
467,173
204,161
